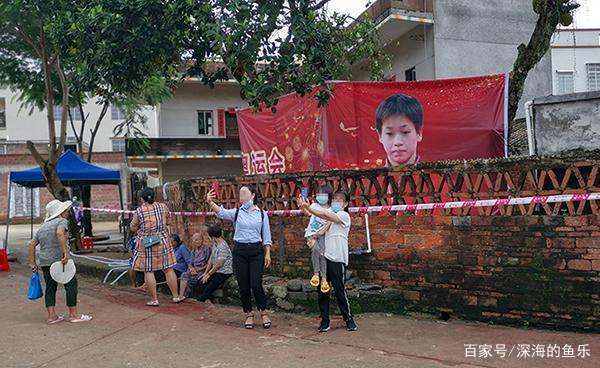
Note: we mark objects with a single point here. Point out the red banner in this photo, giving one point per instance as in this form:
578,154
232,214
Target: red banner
377,124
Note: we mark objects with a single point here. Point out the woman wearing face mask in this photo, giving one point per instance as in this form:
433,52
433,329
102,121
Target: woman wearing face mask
251,252
336,255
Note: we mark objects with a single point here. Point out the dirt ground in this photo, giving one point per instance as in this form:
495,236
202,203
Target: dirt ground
126,333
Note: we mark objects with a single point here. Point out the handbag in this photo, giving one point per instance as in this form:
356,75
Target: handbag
150,240
35,287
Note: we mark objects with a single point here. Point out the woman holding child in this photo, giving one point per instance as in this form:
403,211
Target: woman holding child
336,256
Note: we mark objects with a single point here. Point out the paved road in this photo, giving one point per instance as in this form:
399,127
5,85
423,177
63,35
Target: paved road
125,333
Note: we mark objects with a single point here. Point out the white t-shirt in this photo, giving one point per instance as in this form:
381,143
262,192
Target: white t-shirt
336,239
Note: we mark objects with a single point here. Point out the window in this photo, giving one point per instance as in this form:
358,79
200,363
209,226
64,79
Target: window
2,113
205,126
3,149
564,82
593,76
118,145
117,112
410,74
75,113
231,125
21,201
72,147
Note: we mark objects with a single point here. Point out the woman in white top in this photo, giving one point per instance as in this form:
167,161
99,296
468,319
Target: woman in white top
336,255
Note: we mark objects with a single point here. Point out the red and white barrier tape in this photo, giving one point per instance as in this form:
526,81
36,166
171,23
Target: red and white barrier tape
408,207
479,203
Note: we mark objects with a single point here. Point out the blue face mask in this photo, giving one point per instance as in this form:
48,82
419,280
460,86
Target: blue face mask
336,207
322,199
247,205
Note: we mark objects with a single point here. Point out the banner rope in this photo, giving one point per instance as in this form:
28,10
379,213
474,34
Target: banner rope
561,198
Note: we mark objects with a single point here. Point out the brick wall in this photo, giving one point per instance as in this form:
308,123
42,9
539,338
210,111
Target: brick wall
102,195
543,270
536,264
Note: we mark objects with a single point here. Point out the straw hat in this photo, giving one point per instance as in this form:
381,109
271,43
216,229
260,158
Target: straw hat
62,273
55,208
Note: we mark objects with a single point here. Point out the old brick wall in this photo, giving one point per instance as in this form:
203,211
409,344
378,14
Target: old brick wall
543,270
533,264
102,195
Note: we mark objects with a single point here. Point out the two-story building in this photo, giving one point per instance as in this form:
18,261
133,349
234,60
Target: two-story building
437,39
197,133
576,60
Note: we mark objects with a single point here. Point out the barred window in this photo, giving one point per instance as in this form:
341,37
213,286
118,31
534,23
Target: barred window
593,77
564,82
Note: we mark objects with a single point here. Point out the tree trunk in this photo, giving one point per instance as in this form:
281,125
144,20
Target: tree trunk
86,190
61,193
550,13
86,199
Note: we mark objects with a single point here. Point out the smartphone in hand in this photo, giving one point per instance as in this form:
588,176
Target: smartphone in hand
216,188
304,193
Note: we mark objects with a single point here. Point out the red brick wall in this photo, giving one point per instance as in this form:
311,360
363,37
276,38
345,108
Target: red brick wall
102,195
541,269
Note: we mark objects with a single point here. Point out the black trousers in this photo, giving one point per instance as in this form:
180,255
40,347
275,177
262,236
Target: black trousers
248,266
336,275
213,283
51,287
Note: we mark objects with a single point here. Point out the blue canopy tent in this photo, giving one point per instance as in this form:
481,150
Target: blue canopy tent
72,171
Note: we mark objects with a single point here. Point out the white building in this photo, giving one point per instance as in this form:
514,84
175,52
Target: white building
576,61
197,133
194,133
18,125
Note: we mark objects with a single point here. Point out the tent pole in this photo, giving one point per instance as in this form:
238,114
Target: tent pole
31,209
122,216
8,213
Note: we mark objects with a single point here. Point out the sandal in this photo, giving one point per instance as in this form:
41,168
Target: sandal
325,287
82,318
179,299
249,324
266,323
56,320
314,281
153,303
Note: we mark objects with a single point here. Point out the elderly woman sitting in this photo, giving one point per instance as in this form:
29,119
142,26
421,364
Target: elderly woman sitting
201,250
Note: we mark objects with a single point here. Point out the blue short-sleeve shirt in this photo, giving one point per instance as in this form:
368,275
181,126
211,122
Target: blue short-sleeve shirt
249,225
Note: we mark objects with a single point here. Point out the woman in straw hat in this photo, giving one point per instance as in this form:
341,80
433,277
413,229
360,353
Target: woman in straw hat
153,251
52,238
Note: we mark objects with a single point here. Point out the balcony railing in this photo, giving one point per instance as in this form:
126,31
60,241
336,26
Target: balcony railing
188,147
381,9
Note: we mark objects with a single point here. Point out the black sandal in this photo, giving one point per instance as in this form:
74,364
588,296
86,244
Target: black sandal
247,325
266,325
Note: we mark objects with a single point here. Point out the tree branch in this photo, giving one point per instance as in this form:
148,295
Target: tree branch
36,154
83,121
73,127
49,98
318,5
65,105
95,130
550,12
29,41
